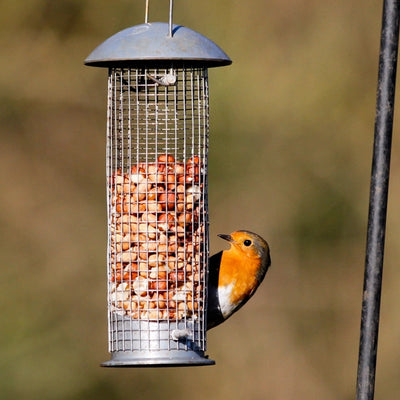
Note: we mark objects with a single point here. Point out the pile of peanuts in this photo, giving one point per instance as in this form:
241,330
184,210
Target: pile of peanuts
156,239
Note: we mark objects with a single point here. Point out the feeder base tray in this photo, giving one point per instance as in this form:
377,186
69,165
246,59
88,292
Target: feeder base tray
164,358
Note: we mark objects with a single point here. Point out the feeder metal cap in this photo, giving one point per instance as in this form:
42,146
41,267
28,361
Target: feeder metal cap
141,44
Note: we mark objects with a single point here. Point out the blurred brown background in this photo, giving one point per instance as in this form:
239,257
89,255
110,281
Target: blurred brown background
290,154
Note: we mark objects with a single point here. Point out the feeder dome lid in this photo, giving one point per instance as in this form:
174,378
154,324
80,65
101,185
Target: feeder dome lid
151,42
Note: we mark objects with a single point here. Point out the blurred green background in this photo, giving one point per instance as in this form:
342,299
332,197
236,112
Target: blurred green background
290,154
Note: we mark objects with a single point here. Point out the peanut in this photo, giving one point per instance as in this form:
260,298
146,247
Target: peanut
163,158
140,286
126,256
156,236
167,200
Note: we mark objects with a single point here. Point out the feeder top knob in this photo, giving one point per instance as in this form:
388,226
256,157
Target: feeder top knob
151,44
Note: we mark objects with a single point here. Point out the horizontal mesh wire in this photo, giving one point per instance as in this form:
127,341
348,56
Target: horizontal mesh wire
157,144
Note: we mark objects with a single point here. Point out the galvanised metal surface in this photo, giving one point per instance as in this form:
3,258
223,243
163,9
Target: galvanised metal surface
158,344
140,44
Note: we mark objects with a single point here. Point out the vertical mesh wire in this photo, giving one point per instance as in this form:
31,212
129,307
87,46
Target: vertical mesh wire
157,145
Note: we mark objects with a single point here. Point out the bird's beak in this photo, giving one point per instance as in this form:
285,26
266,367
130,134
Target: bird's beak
226,237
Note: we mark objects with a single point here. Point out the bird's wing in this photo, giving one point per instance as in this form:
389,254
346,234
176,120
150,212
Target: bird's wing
214,314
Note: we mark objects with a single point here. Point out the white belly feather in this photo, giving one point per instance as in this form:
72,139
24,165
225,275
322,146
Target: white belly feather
224,294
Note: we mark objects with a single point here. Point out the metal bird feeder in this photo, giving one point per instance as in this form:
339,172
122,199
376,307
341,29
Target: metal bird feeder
156,164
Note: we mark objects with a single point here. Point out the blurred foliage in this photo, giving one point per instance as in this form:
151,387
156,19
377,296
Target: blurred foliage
290,153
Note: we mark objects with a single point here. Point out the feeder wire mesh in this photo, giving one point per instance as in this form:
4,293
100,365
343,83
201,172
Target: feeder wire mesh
157,145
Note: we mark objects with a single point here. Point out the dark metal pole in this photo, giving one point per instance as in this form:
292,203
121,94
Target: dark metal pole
378,201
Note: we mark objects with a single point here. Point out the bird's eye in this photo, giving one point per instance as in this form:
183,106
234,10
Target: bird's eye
247,242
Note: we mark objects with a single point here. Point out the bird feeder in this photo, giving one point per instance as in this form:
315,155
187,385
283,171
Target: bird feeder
156,169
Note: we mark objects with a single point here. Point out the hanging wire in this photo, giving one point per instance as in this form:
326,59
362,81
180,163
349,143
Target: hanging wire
171,7
146,15
171,10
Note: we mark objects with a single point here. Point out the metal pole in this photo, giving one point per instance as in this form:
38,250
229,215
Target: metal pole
378,201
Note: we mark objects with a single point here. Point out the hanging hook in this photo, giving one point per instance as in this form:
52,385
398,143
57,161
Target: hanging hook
171,9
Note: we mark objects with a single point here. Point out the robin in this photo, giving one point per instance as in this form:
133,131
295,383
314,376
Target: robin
235,274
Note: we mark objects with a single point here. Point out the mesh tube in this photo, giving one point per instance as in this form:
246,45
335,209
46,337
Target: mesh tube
157,145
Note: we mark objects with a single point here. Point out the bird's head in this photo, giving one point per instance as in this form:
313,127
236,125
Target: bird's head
250,245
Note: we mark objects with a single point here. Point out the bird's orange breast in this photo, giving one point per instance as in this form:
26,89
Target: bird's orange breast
240,271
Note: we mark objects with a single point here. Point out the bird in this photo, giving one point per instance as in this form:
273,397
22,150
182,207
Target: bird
235,274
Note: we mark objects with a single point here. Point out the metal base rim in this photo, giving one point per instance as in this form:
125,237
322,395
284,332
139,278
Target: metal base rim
143,363
126,359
